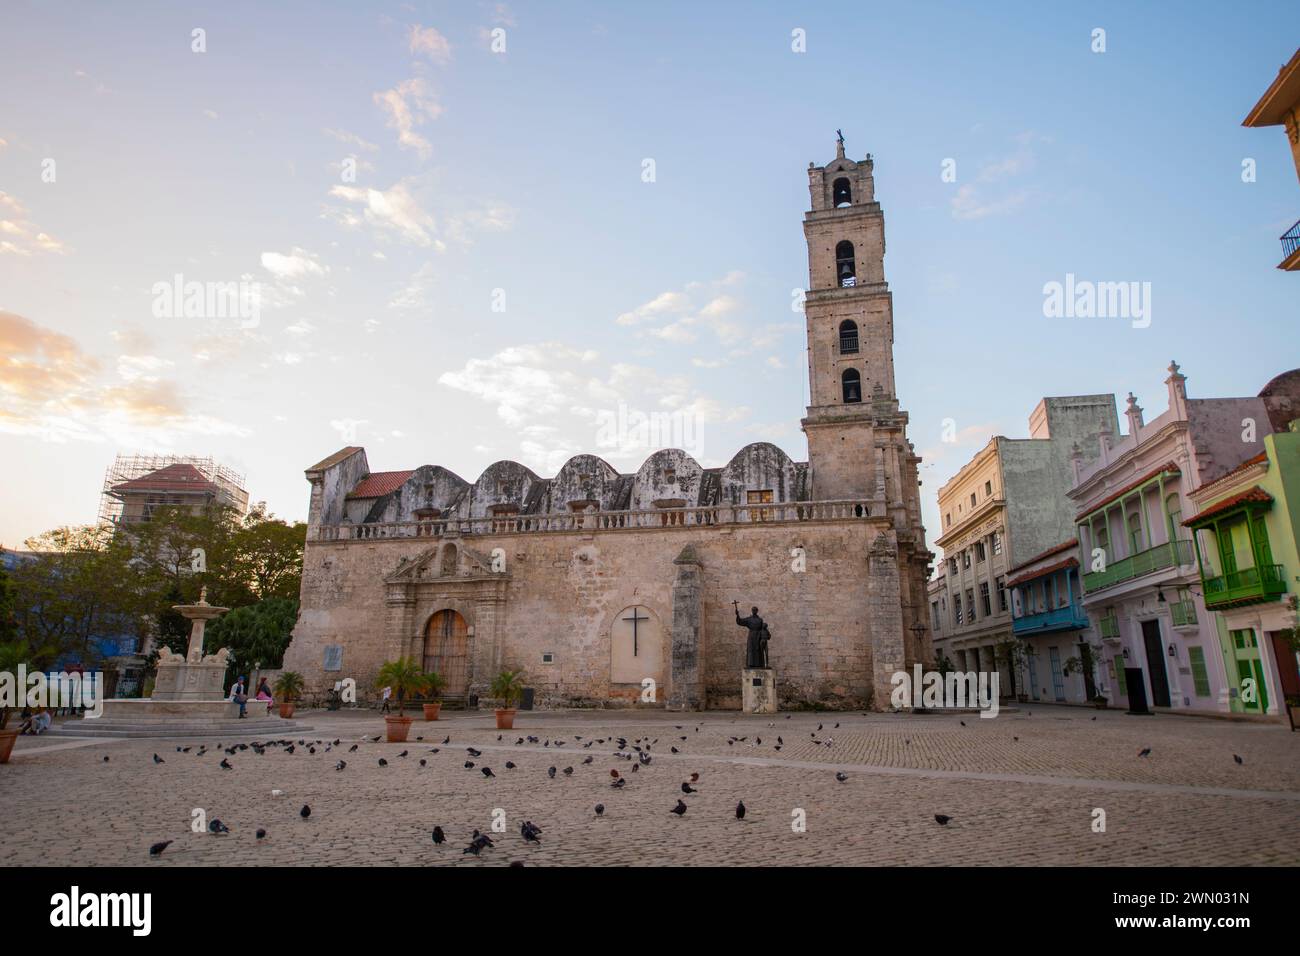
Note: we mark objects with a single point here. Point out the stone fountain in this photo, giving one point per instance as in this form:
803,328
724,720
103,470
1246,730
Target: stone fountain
188,696
194,676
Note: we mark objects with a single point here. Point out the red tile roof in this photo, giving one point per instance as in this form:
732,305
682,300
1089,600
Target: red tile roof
1029,576
1168,467
175,479
379,483
1255,494
1063,546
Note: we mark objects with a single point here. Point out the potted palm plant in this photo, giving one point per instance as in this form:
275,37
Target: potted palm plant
288,687
433,685
508,687
404,677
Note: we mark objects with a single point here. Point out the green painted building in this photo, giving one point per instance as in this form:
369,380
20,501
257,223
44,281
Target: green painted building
1245,531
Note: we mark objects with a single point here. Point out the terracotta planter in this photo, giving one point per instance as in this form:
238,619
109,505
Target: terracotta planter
506,718
398,728
7,738
431,711
286,709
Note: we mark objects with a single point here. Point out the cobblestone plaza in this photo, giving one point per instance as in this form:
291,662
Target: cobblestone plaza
1021,789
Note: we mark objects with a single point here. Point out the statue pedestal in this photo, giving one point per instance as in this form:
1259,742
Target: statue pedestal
758,690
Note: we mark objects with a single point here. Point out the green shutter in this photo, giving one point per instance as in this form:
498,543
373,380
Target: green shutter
1119,676
1199,675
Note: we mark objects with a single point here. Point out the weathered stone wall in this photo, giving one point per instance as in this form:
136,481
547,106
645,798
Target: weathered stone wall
563,591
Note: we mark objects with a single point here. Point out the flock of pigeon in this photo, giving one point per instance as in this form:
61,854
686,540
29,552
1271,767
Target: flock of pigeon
637,752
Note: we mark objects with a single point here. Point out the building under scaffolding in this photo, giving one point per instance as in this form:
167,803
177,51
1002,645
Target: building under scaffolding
136,485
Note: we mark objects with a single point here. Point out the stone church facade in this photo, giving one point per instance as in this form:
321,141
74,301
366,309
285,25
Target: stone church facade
594,582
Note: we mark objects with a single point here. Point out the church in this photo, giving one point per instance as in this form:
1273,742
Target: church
608,588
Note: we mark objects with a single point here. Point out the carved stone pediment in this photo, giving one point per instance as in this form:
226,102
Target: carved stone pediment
448,561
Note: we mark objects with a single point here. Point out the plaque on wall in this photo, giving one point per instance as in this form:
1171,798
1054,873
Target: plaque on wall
333,657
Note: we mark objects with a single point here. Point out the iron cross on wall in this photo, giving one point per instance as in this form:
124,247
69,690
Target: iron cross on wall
635,618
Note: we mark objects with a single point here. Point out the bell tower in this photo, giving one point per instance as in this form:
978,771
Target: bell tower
850,319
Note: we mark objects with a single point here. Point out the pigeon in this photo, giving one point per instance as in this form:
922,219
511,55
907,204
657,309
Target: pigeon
510,765
305,812
473,753
941,819
1015,738
695,778
679,809
588,760
261,833
105,758
353,748
383,762
614,774
618,784
226,764
567,771
842,777
551,773
1144,752
216,826
340,765
530,833
157,848
600,809
1094,718
740,810
469,765
423,762
157,759
962,722
1237,759
687,788
673,749
403,753
636,767
779,740
434,750
487,772
447,740
438,836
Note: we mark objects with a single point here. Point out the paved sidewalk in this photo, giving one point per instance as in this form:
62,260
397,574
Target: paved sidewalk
1021,789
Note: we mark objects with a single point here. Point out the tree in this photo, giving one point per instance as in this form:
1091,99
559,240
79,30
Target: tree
76,591
268,555
256,634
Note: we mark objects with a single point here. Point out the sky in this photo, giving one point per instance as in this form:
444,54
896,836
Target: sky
484,231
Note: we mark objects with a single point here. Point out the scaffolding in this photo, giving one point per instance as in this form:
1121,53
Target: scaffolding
228,483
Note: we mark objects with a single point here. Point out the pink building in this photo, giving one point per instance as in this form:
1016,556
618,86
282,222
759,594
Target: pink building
1141,588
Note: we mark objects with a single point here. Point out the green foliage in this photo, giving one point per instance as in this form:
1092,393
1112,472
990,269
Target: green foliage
289,685
508,687
99,581
403,676
433,684
15,654
256,634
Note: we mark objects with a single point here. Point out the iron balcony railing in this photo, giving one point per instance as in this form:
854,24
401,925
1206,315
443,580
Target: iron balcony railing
1183,613
1262,583
1070,617
1290,241
1171,554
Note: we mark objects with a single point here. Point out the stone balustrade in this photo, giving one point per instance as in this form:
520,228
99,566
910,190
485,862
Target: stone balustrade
714,515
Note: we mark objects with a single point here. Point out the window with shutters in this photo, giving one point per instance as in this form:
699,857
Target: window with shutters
1200,677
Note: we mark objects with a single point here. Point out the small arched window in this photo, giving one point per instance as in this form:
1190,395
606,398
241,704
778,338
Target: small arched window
852,383
848,337
841,193
846,270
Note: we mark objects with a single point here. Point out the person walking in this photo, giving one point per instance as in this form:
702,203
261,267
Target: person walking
387,693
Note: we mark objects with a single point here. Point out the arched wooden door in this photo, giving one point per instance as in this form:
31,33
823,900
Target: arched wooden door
446,651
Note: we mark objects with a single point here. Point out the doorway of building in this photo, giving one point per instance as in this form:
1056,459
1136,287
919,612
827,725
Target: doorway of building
1156,663
1089,683
446,651
1251,686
